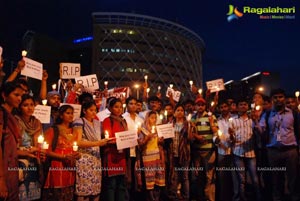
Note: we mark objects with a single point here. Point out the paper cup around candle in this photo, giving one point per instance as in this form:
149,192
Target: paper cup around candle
75,147
40,139
45,145
44,102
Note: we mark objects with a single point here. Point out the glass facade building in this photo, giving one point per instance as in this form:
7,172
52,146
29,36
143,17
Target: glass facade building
126,47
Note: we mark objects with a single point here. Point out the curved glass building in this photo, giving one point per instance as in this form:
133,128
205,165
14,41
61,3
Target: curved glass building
126,47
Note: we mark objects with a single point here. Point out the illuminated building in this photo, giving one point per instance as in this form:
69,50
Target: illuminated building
126,47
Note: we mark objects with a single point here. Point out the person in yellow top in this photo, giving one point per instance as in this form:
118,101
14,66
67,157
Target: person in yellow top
152,157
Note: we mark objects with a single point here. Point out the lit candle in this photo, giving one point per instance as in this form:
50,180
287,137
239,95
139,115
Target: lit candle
171,86
219,133
189,117
257,107
230,121
166,113
24,53
200,91
153,129
53,86
148,90
297,93
75,147
94,97
45,145
252,106
124,107
138,125
41,139
209,114
161,117
146,78
158,88
212,103
191,84
106,135
44,102
105,84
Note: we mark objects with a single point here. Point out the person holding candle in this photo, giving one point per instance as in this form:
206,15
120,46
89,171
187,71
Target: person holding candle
88,174
227,180
203,152
30,128
179,156
11,93
153,158
134,122
243,149
59,184
113,160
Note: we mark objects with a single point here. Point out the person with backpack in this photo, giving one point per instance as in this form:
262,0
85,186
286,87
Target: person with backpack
281,127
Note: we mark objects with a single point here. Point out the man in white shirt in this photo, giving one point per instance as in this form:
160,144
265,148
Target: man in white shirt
133,121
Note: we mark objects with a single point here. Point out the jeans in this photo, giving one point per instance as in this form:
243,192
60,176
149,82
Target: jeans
204,177
227,179
288,160
181,176
242,164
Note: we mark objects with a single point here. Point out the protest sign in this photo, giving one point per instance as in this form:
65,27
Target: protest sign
42,113
175,94
126,139
165,130
90,82
69,70
32,69
215,85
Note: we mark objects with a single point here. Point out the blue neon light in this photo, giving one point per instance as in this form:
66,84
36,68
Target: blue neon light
80,40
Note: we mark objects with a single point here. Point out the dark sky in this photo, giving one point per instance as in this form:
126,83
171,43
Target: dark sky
233,49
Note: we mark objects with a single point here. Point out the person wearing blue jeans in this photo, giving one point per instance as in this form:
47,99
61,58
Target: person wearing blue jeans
241,128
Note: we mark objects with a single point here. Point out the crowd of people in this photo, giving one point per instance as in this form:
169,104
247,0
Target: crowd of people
230,150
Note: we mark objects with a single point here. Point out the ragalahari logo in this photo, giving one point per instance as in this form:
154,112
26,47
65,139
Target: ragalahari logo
233,13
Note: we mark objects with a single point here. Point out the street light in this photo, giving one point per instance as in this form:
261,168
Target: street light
137,86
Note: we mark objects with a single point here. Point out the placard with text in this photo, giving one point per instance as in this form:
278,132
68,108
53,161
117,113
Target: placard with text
165,130
32,69
42,113
126,139
90,82
69,70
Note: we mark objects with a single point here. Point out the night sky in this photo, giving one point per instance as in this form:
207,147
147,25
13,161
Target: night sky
233,49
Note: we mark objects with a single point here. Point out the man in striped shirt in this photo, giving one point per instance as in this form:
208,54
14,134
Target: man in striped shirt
203,152
243,150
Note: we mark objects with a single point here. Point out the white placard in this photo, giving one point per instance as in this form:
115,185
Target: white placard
176,94
1,50
32,69
215,85
165,130
69,70
90,82
126,139
42,113
77,109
